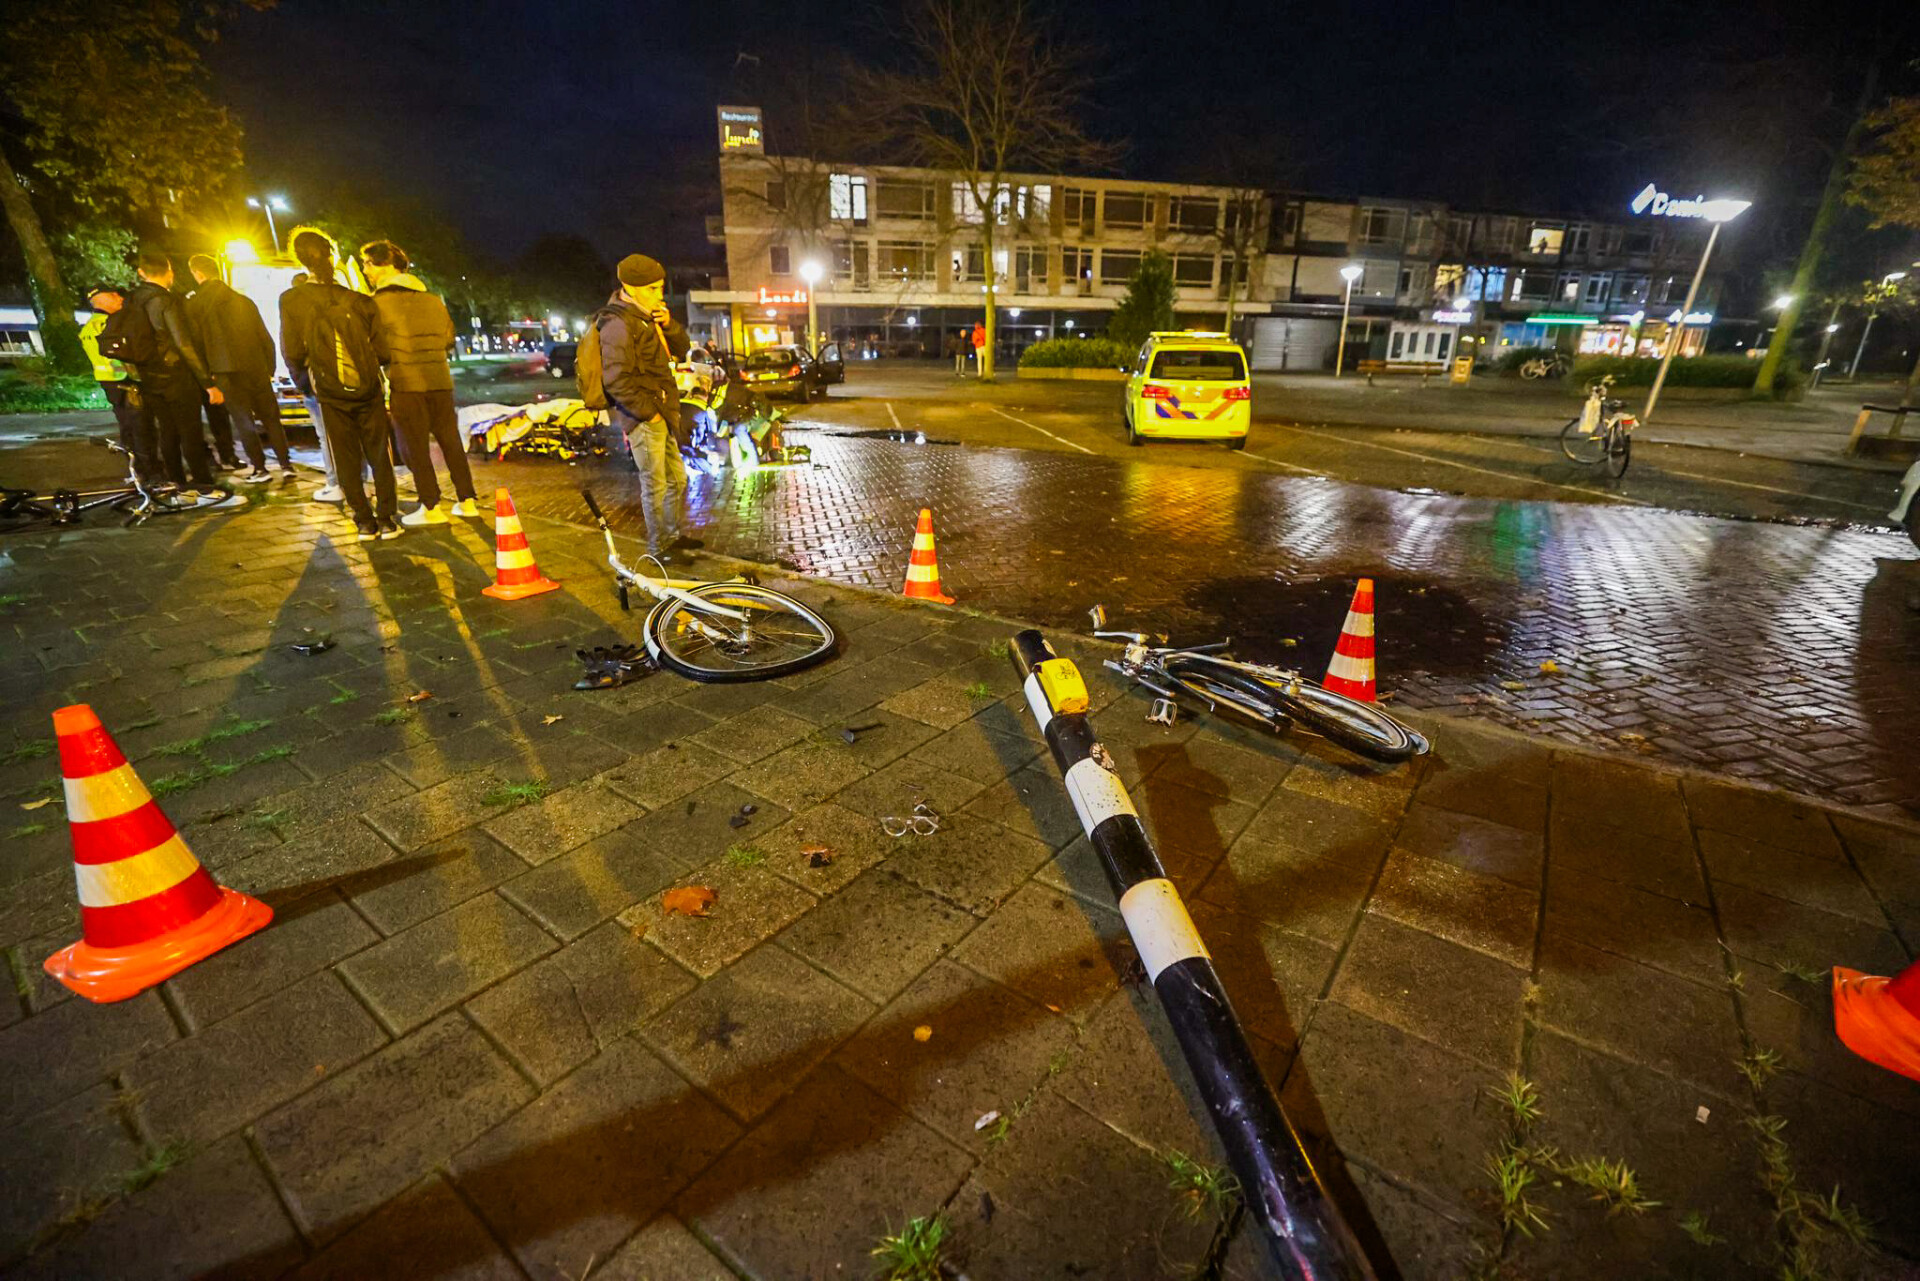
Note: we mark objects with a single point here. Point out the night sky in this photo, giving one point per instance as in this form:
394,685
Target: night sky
515,120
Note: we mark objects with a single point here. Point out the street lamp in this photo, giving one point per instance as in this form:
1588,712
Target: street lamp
1350,273
1873,314
1715,212
810,271
267,204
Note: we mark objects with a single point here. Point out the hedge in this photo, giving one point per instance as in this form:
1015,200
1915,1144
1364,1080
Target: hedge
1686,371
1076,353
51,393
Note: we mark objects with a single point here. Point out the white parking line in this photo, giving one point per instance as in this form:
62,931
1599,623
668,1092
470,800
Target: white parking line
1484,471
1304,471
892,415
1042,430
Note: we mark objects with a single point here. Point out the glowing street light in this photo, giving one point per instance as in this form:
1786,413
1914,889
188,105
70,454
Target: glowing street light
1716,212
811,271
1350,273
1783,302
267,204
240,251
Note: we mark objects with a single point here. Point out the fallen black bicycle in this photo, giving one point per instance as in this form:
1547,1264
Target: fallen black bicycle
26,509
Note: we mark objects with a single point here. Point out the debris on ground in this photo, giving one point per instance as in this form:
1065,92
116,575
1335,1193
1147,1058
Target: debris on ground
736,820
923,1034
34,805
688,900
318,645
552,720
851,734
1549,668
611,666
986,1119
1512,685
419,696
817,855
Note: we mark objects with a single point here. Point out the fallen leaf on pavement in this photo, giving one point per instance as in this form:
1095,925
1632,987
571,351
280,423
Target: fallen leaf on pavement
34,805
817,855
1511,685
550,720
419,696
1549,668
688,900
923,1034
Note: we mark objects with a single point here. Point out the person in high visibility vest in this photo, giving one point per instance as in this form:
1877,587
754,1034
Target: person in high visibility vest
117,385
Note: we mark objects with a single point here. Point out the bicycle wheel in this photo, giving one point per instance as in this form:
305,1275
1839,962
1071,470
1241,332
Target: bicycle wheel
1619,452
1359,727
1579,446
779,635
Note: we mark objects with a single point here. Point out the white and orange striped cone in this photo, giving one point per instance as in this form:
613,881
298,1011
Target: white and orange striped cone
1351,671
1879,1018
923,567
148,909
514,573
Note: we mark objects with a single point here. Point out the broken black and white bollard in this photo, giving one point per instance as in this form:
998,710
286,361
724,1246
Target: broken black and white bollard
1283,1192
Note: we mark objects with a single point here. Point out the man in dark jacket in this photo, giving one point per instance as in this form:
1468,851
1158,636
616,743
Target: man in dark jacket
419,335
639,341
171,384
239,352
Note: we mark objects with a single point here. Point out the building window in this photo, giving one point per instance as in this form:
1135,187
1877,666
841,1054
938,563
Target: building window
1570,287
1579,238
1639,243
1030,203
968,265
1534,286
776,195
1633,289
903,260
1076,264
914,200
1077,207
1459,234
847,198
1118,265
1290,221
1545,240
1128,209
1493,284
1449,280
1670,289
1193,215
780,261
1495,234
1382,226
1595,290
1193,271
850,259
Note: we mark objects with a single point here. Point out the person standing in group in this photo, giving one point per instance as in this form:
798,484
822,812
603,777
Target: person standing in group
173,381
330,492
239,351
979,342
331,339
419,334
639,341
116,384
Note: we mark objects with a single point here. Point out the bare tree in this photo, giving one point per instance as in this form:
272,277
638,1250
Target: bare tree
990,88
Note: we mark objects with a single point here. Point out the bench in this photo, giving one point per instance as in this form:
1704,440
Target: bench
1878,445
1425,368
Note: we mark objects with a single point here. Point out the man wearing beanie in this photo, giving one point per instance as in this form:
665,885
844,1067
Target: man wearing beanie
639,341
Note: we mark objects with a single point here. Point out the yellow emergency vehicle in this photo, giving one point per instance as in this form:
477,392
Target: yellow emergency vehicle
1188,385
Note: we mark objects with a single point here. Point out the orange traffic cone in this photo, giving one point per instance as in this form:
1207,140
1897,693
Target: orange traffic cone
514,573
923,567
1351,671
147,908
1879,1019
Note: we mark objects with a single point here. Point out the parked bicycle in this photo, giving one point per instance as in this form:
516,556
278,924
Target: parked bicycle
719,632
1555,365
1602,432
1270,697
26,509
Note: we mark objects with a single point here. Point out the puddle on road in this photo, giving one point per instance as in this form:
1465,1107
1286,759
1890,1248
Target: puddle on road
1419,625
898,437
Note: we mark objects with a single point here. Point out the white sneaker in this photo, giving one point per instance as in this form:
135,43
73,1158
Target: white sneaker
424,515
466,507
329,494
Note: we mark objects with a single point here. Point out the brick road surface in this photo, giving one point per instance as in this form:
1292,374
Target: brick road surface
1785,654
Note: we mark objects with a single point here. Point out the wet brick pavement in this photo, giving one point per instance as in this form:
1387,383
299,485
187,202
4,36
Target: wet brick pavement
1784,654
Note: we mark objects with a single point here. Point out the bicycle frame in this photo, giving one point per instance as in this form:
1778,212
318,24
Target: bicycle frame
661,589
1142,663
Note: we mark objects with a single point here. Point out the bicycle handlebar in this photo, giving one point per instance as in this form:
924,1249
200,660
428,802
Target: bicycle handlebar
593,506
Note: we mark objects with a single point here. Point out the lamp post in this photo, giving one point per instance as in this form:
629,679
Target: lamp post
1349,273
811,273
1716,212
267,204
1873,314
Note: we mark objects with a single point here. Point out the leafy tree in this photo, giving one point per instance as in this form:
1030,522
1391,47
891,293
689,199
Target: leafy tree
147,139
96,253
1886,179
1147,305
564,272
989,88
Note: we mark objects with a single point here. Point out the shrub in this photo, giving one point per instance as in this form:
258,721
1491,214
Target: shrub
1076,353
50,393
1148,303
1687,371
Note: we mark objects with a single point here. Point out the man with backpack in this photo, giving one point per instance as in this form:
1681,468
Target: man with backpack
116,383
153,335
624,365
239,351
331,339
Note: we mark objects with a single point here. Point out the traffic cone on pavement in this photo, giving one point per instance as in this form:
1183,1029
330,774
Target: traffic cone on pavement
148,909
1879,1018
514,573
1351,671
923,567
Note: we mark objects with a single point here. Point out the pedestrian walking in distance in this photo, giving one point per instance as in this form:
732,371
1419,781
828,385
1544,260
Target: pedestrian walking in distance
639,341
419,335
239,352
116,384
334,350
174,378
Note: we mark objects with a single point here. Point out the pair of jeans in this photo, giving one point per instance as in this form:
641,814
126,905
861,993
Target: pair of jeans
172,407
421,416
663,477
136,432
357,432
255,411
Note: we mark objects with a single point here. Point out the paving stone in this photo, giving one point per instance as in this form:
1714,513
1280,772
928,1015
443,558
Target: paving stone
1321,828
1889,856
877,934
1780,933
431,880
1480,912
1761,816
1859,1147
1427,1239
1486,793
754,733
74,1045
41,905
1460,999
1316,897
968,862
243,789
809,1191
1273,976
425,1231
666,774
577,891
1033,802
1380,790
1794,1019
854,689
656,725
1211,765
57,1161
1809,880
973,752
1065,953
1474,844
1594,790
439,811
808,772
855,842
307,935
360,1138
663,1249
748,1036
560,822
569,1177
322,857
556,1014
1668,1024
1675,936
751,905
435,965
1625,854
699,826
212,1216
942,702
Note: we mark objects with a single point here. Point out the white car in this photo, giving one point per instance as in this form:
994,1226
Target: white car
699,374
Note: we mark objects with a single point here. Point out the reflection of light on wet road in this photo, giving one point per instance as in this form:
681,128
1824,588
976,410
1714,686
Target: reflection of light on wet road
1448,462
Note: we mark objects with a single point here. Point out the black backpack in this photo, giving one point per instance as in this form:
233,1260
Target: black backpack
128,335
340,356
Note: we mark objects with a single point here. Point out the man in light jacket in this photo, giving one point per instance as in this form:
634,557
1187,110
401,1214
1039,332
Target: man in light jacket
239,352
419,335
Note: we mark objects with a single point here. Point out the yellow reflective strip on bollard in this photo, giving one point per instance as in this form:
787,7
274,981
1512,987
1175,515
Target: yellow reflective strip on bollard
1162,931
